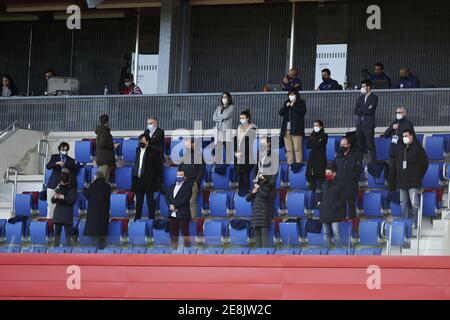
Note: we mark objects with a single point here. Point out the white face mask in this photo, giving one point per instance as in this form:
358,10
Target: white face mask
316,129
127,84
405,140
64,152
243,121
399,116
363,90
224,101
292,98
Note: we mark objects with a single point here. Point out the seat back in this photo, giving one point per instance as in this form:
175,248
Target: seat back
123,178
23,205
289,233
218,204
296,203
83,151
212,232
118,205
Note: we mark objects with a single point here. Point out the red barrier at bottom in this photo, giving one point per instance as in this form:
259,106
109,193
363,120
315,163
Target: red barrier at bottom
84,276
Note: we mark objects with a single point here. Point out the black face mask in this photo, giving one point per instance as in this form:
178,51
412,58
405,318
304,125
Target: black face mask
403,78
324,79
343,149
141,145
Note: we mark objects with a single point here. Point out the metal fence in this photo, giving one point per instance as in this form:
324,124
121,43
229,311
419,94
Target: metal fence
426,107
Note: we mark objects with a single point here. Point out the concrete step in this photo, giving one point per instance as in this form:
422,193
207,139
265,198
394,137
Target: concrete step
425,252
429,242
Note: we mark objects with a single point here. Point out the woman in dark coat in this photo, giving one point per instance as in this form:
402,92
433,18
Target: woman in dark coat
262,197
317,160
105,146
293,127
65,197
98,195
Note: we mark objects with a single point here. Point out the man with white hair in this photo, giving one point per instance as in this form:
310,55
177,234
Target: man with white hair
395,133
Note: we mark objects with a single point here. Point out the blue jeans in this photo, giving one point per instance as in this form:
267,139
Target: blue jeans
410,205
329,230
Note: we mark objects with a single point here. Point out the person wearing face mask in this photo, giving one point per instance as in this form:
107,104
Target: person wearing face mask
317,160
178,198
262,197
331,206
395,133
223,125
156,135
407,80
105,146
412,164
57,163
293,127
291,81
365,123
64,198
147,172
327,82
244,159
129,87
348,171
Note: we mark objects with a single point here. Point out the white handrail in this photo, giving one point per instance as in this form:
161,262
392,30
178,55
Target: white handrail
419,217
9,130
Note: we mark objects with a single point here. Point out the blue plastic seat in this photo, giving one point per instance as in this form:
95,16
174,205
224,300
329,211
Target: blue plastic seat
315,239
169,176
189,250
38,232
221,182
432,176
282,154
290,233
119,205
210,251
135,250
368,252
14,232
434,148
341,252
396,209
118,150
81,177
10,249
446,138
163,206
123,178
297,180
399,232
331,148
236,251
382,148
23,205
35,249
218,204
138,231
160,236
2,227
369,232
262,251
84,250
239,237
430,204
313,252
82,239
288,251
213,232
47,175
345,232
296,203
129,150
83,151
376,182
114,233
110,251
60,250
372,204
159,250
242,207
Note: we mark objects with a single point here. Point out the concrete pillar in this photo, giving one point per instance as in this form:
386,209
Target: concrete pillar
174,46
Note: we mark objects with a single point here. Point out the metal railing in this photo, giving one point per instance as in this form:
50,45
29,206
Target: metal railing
43,154
426,107
7,180
8,131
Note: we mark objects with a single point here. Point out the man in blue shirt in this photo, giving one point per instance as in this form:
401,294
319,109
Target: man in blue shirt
379,75
407,80
328,83
291,81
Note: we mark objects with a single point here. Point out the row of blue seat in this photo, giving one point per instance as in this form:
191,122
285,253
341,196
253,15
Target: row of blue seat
214,232
165,250
435,146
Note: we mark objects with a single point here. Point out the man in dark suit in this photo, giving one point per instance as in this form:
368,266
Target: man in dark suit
365,123
57,163
97,219
147,173
156,135
178,198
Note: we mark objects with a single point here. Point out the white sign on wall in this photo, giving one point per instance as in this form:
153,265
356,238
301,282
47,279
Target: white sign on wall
333,57
147,72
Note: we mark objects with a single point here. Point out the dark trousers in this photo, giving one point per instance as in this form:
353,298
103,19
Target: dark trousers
99,242
392,178
365,139
351,213
244,182
175,225
67,233
261,237
140,193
